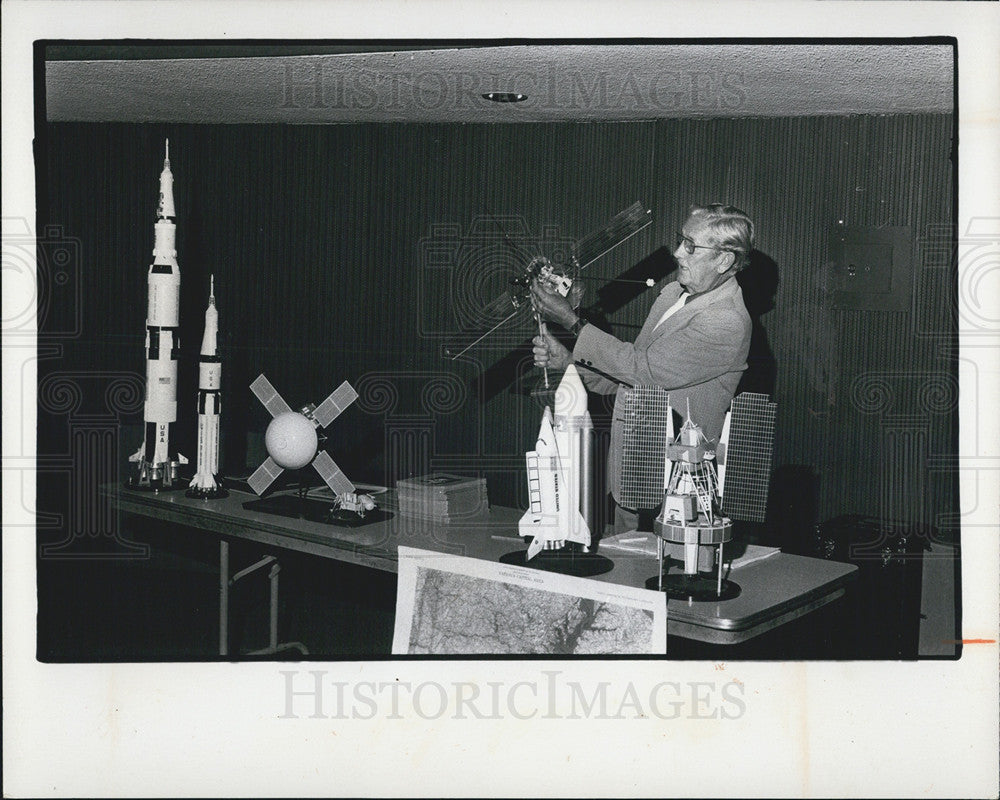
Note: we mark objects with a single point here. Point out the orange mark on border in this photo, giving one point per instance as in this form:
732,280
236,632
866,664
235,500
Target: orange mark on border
969,641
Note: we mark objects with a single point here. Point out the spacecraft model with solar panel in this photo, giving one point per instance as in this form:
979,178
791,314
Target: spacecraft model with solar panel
697,487
703,486
560,275
292,442
691,521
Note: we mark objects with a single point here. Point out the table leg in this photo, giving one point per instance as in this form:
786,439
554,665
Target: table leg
275,569
223,597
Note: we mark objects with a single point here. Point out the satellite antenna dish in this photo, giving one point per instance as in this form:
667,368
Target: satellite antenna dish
291,439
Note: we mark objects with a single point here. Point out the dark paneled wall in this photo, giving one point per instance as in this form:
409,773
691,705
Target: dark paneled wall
360,251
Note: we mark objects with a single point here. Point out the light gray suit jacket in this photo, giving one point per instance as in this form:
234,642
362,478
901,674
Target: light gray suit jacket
697,354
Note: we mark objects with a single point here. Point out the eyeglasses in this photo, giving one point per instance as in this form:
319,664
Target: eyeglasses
690,246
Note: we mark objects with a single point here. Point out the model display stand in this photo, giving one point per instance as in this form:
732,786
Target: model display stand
314,509
570,559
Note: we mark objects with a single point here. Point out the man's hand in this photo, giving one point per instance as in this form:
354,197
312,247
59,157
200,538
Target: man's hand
549,352
552,305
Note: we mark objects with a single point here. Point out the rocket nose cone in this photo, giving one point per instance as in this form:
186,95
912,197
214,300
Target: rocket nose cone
571,397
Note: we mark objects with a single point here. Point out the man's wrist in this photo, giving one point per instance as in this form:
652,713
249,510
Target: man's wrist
577,326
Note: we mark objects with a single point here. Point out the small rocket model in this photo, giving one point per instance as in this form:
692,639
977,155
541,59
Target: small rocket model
559,473
157,466
205,483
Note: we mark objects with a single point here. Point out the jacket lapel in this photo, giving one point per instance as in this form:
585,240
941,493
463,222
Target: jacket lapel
681,315
666,298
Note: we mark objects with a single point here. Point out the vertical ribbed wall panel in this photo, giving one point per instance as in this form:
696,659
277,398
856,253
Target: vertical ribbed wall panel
343,251
798,178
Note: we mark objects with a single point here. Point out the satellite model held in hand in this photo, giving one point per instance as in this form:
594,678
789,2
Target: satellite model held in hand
558,519
158,466
206,483
516,301
292,442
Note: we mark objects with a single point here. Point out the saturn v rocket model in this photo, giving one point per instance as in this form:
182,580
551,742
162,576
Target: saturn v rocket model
559,476
157,464
206,483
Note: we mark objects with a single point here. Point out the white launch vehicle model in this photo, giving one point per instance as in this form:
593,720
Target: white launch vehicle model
291,439
206,483
157,465
559,472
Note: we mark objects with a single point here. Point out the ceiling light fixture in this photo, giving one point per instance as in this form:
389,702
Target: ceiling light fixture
505,97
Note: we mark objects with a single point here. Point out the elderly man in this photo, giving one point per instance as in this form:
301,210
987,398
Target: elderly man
694,342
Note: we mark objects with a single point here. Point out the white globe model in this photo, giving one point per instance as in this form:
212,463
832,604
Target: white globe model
291,440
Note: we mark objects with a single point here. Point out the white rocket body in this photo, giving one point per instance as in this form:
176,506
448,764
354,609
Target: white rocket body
209,405
157,464
559,472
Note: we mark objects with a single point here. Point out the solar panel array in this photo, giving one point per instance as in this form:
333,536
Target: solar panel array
646,419
626,223
748,457
331,408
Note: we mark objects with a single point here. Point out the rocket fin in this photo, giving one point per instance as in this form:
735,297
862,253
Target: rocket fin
269,396
331,408
264,476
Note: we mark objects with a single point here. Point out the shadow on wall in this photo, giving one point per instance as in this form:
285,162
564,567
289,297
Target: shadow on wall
759,282
793,508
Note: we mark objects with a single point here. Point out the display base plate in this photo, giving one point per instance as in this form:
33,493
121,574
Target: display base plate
133,484
565,561
698,588
306,508
207,494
